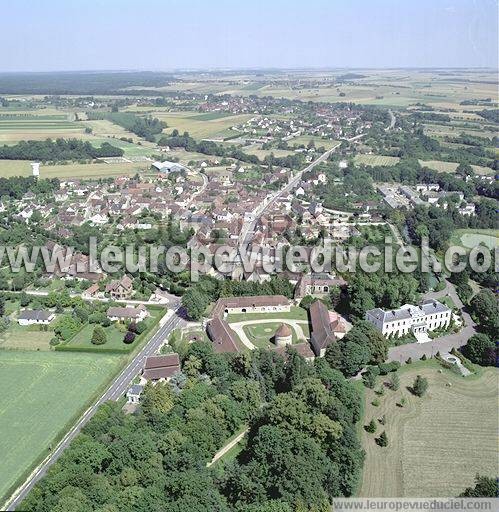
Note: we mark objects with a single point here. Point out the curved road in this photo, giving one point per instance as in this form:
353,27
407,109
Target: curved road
114,392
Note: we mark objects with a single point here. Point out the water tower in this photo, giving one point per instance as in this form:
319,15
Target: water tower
35,169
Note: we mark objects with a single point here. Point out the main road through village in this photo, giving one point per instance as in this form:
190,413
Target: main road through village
120,384
114,392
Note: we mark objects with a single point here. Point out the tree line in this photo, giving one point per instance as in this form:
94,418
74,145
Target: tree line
58,150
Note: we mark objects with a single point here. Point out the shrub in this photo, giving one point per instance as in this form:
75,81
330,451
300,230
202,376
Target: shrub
386,368
99,336
371,427
420,386
129,337
141,327
409,361
394,382
382,439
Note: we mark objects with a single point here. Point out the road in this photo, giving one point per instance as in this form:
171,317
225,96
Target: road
114,392
443,343
249,227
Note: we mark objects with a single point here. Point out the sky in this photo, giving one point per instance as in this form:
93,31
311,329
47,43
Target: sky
60,35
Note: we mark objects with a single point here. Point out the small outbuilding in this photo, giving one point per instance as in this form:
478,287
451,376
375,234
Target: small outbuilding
283,335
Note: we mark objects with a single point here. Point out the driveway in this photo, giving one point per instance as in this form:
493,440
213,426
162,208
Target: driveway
444,343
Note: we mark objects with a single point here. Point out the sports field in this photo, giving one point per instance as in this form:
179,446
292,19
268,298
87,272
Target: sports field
437,443
42,392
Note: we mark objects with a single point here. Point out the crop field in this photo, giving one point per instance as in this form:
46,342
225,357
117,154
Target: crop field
376,160
201,127
469,238
43,393
318,141
441,166
10,168
437,443
262,153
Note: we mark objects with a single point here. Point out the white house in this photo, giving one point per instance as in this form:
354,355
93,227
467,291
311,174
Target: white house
129,313
133,393
35,316
428,316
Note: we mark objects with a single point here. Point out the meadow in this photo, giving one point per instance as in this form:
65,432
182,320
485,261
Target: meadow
437,443
437,165
43,394
200,126
10,168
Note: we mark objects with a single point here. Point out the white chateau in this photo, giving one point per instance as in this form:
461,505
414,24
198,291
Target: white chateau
429,315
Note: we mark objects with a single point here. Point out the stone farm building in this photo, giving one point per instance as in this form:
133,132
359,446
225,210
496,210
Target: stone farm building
427,316
161,367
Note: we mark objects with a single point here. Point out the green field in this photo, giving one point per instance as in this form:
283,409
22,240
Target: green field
441,166
437,443
43,392
200,126
470,238
30,337
376,159
303,140
10,168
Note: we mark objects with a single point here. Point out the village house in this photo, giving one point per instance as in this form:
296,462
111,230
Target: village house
128,313
121,289
35,316
159,368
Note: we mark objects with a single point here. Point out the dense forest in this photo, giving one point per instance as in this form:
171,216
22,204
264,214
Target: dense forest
58,150
300,451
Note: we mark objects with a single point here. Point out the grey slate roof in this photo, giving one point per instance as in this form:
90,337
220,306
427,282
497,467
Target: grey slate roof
34,314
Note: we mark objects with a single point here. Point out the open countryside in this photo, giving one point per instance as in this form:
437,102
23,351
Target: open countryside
47,390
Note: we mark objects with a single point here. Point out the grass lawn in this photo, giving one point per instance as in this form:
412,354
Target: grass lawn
296,313
82,338
437,443
43,393
262,335
469,238
30,337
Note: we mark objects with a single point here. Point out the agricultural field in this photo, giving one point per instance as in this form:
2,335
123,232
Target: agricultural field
36,125
469,238
441,166
437,443
376,160
44,393
10,168
201,126
318,141
262,153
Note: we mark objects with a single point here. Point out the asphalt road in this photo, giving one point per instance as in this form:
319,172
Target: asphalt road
114,392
